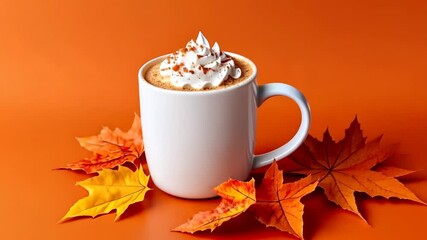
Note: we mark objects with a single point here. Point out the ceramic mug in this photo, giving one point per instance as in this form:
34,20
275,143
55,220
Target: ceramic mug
195,140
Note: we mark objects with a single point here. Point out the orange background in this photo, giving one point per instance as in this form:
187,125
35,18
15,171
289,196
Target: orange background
67,68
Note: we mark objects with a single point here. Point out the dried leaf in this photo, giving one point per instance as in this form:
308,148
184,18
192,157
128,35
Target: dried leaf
111,189
110,148
391,171
345,167
279,205
236,197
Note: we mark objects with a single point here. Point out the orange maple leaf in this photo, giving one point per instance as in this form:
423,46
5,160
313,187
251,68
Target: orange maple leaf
110,148
345,167
279,205
236,197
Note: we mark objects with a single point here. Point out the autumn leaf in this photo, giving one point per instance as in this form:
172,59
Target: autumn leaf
391,171
345,167
279,205
111,189
110,148
236,196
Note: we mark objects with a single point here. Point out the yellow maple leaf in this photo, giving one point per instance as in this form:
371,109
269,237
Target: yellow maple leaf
236,196
111,189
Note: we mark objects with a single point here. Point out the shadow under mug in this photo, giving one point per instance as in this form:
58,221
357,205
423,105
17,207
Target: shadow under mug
195,140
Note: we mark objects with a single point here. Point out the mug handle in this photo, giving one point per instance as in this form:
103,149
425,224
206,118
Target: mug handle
281,89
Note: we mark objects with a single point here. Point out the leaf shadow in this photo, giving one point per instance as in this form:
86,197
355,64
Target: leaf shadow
363,201
317,212
244,226
75,175
133,210
137,208
82,218
413,178
77,172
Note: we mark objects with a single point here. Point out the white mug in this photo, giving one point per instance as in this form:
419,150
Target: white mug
195,140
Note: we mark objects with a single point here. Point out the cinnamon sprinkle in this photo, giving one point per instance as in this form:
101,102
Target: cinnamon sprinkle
205,70
175,68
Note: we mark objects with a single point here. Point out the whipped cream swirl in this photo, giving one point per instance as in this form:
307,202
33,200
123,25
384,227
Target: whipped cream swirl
199,66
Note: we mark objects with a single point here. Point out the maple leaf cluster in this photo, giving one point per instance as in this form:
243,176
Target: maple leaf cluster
340,168
111,189
274,203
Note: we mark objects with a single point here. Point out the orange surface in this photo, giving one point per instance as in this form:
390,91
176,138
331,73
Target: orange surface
67,68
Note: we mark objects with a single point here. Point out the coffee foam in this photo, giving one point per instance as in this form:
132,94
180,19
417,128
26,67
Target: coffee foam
153,76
